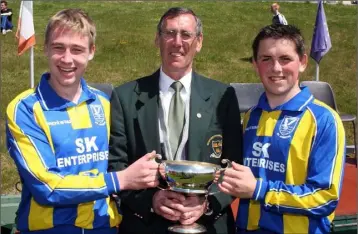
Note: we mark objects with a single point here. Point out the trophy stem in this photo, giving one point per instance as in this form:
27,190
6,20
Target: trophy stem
193,229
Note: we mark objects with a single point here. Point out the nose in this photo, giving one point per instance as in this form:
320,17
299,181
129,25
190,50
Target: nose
177,40
276,66
67,56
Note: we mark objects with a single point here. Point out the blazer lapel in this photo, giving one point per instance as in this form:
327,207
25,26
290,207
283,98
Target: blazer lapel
200,116
147,110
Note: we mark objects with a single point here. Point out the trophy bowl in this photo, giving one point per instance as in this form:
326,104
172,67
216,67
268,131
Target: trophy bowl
190,177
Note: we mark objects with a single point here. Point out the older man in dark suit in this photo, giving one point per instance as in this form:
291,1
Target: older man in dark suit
183,116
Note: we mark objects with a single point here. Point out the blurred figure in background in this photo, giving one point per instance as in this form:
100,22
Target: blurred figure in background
277,18
6,18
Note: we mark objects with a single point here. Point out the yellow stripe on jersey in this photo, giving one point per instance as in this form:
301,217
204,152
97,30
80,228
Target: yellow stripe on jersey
267,123
114,217
85,215
254,215
320,197
295,223
41,120
34,162
245,120
107,108
299,155
79,116
40,217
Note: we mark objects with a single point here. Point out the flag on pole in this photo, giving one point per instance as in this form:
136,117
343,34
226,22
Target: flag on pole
25,31
321,41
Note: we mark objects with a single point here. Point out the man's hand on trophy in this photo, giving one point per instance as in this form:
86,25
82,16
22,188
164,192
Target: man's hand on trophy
192,209
166,204
237,181
141,174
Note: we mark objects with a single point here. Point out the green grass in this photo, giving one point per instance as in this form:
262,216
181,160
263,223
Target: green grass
125,47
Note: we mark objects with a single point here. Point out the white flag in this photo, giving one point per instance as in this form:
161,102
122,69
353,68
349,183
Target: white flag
25,28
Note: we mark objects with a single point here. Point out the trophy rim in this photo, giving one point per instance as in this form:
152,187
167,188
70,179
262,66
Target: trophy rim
191,163
189,191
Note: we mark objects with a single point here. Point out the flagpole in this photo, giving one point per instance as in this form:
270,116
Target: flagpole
317,71
32,82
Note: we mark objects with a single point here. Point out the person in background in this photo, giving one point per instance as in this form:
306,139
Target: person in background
294,146
277,18
58,136
183,116
6,18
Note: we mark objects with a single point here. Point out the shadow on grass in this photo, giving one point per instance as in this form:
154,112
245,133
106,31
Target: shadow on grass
246,59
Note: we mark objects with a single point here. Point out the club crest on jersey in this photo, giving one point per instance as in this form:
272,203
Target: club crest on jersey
287,126
216,143
98,114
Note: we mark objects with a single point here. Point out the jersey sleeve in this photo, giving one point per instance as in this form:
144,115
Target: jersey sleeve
319,195
29,146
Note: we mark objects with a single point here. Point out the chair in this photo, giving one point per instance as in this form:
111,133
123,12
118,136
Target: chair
324,92
248,94
104,87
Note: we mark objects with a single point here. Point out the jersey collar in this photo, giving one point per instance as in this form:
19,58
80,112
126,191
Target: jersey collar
50,100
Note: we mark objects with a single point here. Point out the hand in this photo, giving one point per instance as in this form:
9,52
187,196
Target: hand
142,174
192,209
166,204
238,181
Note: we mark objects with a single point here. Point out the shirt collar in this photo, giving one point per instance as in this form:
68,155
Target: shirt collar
50,100
298,103
165,81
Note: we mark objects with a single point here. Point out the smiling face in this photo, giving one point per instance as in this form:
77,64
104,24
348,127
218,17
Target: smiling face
68,53
278,65
176,49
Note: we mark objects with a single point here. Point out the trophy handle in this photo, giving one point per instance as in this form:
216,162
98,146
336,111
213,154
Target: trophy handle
228,164
159,159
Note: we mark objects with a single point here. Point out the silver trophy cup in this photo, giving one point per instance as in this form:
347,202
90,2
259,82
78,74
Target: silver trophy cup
190,178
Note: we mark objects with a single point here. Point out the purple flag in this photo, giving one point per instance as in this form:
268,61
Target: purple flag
321,41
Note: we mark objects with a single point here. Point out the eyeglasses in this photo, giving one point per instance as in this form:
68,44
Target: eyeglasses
171,34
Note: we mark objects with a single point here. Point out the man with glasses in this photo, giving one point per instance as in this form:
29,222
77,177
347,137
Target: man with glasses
183,116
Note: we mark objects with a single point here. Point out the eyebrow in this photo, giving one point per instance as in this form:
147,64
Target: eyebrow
74,45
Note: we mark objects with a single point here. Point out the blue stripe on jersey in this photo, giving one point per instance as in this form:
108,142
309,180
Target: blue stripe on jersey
300,177
61,151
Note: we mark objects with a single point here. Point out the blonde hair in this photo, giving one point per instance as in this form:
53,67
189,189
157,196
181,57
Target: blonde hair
73,19
275,6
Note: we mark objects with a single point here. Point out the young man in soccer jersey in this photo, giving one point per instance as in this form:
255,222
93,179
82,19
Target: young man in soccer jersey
58,136
294,146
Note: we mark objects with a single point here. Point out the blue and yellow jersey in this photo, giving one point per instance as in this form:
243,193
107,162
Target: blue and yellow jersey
297,153
61,151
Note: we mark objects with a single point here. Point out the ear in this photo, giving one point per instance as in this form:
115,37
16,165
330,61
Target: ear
199,43
156,40
92,50
303,63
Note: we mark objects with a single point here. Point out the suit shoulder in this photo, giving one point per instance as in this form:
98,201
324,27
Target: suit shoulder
213,84
129,87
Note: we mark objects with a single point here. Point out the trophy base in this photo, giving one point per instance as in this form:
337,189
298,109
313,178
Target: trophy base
194,229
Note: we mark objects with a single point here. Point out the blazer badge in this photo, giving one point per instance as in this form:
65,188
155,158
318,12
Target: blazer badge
216,143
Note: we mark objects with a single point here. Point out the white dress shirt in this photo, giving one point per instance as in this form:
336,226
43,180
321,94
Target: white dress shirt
166,93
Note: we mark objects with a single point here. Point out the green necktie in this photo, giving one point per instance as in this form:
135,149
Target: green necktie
176,118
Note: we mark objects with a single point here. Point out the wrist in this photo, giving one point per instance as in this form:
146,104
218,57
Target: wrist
208,209
122,180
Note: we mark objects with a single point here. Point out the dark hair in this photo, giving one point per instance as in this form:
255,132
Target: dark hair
176,11
279,31
5,2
